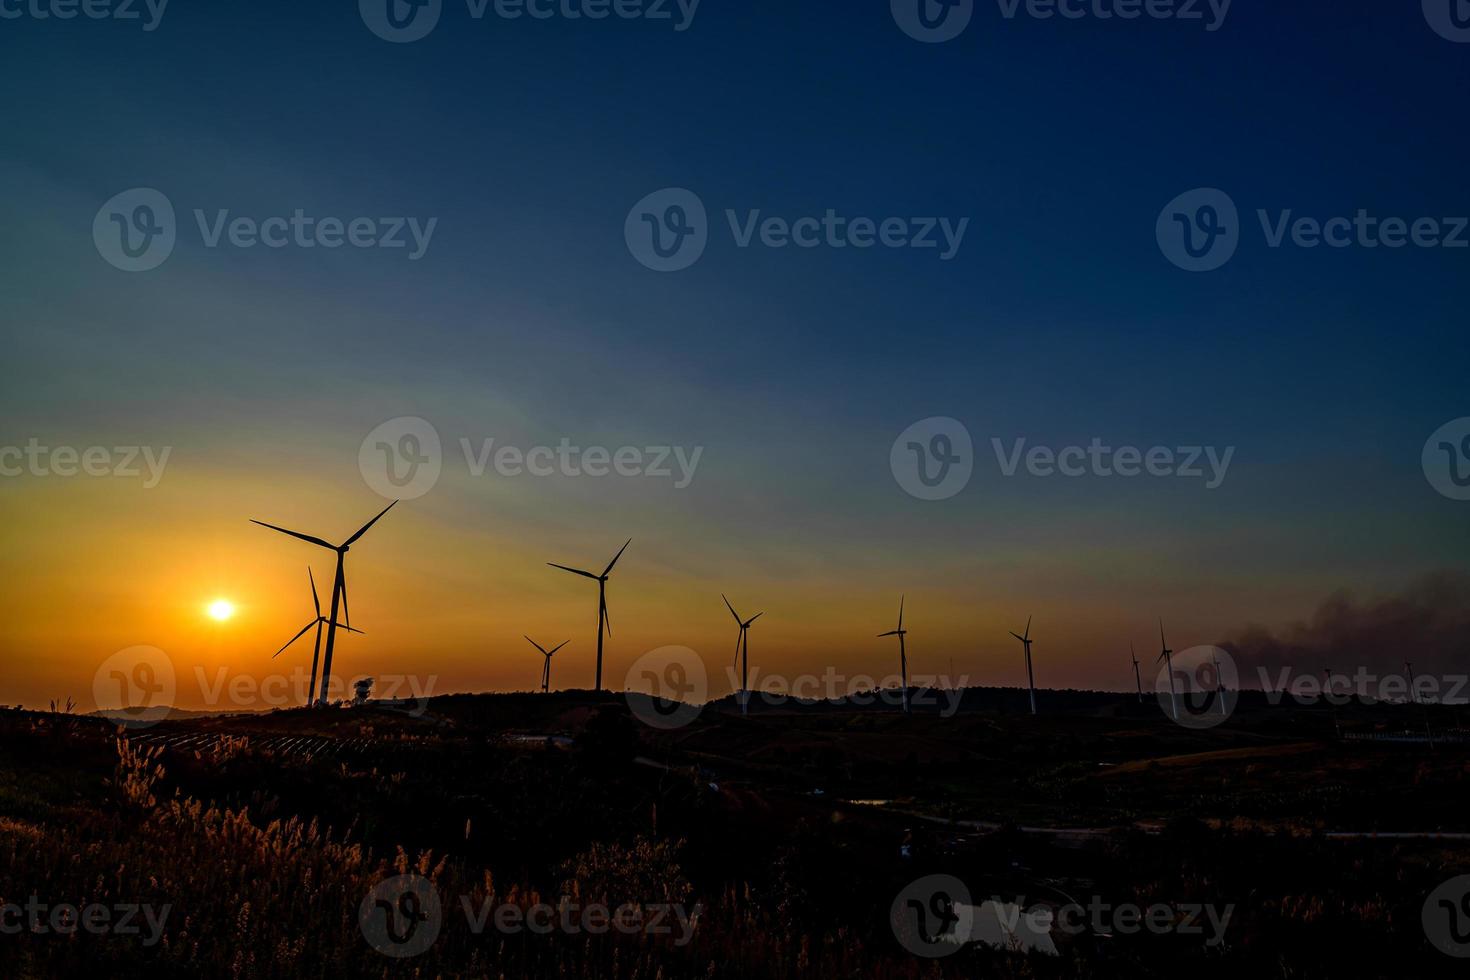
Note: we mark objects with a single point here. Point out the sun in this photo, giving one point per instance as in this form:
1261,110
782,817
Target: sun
220,610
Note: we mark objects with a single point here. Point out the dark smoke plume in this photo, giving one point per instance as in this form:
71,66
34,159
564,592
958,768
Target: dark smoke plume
1427,623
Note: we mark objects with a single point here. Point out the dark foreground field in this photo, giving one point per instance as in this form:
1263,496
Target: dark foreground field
768,846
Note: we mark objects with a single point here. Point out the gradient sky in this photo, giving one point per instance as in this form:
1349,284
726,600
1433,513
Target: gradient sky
528,321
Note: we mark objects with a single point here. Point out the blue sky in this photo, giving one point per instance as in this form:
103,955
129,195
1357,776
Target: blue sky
527,319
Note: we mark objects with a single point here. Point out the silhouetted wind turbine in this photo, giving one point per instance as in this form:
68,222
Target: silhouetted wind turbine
1414,695
742,641
1136,678
903,659
601,580
319,622
1327,693
546,668
339,586
1025,639
1219,685
1168,657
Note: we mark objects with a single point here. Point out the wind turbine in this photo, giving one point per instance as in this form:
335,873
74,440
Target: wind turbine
1025,639
339,586
546,669
1138,680
1336,725
1219,685
1414,694
318,623
742,644
903,659
1168,657
601,580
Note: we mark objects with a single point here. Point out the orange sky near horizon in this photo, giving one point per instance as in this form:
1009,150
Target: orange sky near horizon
444,596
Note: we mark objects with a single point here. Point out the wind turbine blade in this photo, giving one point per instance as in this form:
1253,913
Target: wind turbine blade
346,613
889,633
364,529
574,571
558,647
608,571
349,628
535,644
900,612
294,639
606,619
753,619
1018,636
295,534
730,607
1162,642
314,600
1027,634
